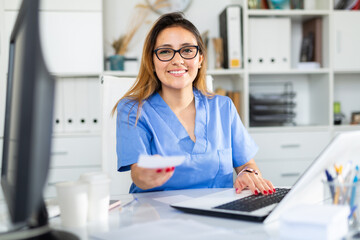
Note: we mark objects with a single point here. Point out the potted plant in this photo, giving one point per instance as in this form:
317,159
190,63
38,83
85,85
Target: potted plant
121,45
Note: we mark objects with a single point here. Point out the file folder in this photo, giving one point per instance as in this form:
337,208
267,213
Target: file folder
231,33
58,124
269,43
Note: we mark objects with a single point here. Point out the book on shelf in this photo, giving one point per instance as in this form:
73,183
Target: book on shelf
312,41
347,4
235,96
230,21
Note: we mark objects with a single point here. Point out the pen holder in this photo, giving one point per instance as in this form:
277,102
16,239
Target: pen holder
345,194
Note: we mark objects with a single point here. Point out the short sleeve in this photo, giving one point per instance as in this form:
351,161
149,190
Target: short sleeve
243,146
131,140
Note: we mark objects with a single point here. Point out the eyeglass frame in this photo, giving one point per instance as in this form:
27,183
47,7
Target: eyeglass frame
176,51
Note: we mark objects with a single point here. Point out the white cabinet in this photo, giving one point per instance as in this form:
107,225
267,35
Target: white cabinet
68,40
70,157
283,157
71,39
346,36
287,145
59,5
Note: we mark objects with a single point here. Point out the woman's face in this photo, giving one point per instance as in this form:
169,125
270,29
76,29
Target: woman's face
178,73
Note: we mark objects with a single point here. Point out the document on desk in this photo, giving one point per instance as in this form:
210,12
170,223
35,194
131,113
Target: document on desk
174,229
148,161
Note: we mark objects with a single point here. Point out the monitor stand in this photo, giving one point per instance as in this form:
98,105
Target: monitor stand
39,229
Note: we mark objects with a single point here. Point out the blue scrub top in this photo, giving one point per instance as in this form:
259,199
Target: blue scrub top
222,142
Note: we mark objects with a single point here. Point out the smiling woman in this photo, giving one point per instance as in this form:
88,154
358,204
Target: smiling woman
170,112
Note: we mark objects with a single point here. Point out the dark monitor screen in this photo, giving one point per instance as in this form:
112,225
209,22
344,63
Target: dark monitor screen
28,130
28,118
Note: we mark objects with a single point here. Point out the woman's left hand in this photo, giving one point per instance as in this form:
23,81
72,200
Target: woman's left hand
252,179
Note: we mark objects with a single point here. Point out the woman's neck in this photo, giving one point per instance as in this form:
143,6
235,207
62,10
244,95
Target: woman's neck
178,100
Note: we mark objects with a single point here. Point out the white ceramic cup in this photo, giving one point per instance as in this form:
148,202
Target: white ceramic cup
98,195
73,202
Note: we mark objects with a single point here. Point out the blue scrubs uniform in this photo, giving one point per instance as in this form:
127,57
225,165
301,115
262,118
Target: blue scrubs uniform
222,141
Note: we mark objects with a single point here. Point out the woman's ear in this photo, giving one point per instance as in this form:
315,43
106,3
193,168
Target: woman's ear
201,58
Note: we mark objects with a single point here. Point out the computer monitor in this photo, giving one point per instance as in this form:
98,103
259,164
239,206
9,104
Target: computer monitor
28,130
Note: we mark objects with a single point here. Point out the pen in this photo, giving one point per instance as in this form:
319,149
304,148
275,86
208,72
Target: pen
131,203
330,179
353,191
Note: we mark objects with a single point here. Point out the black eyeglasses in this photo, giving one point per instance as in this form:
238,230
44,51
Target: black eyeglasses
166,54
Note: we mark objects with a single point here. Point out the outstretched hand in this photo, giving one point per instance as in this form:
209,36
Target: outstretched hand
146,178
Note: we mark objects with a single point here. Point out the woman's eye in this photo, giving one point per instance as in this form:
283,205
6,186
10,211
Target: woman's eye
187,50
165,51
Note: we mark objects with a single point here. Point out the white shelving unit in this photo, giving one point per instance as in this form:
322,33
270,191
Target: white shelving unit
69,31
338,79
285,152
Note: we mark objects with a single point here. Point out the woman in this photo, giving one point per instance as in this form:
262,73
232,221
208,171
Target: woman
169,111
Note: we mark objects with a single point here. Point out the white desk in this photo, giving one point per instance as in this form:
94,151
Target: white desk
154,206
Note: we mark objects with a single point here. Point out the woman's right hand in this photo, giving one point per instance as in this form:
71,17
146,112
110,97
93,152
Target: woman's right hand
146,178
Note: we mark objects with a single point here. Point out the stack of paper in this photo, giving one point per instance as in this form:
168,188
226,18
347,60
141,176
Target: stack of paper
314,222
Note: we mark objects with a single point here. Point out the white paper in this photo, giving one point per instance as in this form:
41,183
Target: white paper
147,161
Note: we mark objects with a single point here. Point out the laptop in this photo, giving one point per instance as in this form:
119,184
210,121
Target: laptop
307,190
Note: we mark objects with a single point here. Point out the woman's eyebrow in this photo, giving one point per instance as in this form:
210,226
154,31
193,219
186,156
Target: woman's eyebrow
170,46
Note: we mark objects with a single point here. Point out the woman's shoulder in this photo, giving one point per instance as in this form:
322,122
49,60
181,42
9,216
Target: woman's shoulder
219,100
127,105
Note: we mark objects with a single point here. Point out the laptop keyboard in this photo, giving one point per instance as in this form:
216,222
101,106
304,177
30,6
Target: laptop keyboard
254,202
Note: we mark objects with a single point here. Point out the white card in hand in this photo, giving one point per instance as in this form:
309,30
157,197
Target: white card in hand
157,161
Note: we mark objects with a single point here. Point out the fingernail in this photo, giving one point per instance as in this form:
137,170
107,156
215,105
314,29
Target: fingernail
168,169
256,192
159,170
236,189
270,192
274,190
172,168
265,192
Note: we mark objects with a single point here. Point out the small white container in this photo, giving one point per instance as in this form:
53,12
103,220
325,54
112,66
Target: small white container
73,201
98,195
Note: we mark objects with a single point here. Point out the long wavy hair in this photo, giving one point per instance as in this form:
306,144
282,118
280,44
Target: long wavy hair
147,82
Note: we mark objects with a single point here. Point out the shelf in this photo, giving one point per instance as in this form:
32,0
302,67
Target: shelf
120,73
77,134
350,71
277,129
75,75
214,72
225,72
295,14
346,127
290,71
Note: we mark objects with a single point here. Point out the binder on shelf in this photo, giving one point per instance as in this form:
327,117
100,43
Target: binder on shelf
269,43
70,111
58,124
312,41
230,21
81,98
94,104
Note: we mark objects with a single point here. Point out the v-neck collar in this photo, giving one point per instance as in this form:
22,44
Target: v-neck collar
172,121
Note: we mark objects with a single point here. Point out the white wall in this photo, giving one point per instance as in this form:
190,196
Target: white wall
117,16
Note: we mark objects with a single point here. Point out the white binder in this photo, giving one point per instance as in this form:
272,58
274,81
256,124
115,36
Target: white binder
70,107
58,119
230,31
269,43
94,104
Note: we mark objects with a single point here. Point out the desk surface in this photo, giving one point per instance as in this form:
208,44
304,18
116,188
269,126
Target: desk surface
152,212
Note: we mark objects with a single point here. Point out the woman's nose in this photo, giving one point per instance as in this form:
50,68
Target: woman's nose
177,59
